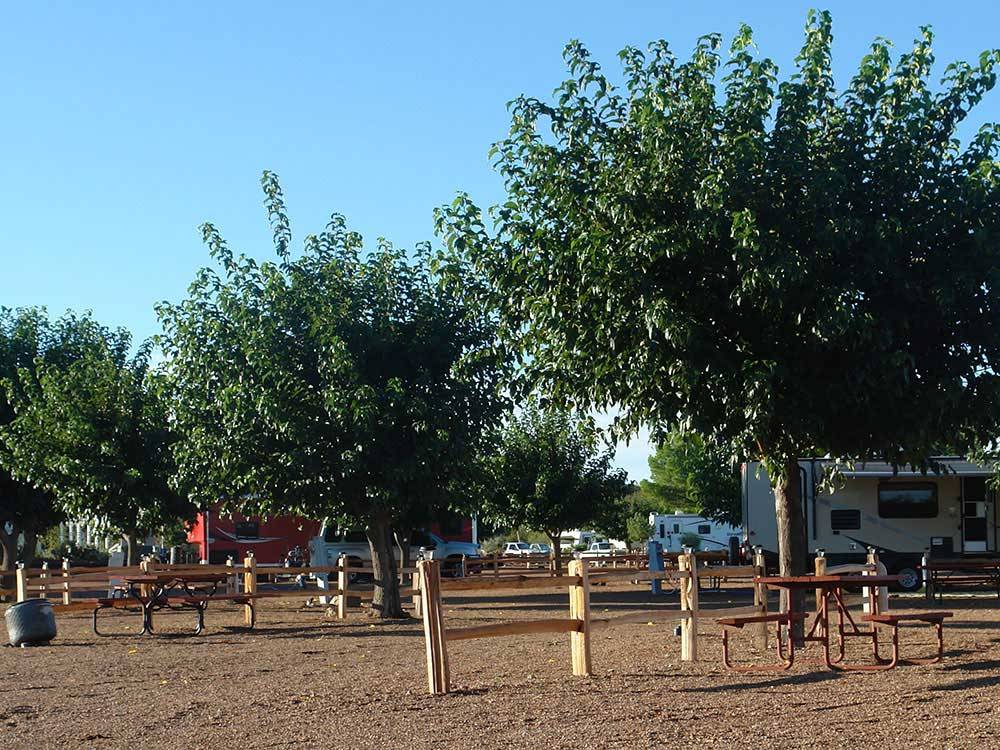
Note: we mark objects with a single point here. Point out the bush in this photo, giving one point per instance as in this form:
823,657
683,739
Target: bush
690,539
493,544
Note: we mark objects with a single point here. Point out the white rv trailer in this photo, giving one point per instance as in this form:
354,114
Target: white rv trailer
669,529
902,514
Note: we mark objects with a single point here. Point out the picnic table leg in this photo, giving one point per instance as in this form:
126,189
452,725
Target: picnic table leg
147,617
201,618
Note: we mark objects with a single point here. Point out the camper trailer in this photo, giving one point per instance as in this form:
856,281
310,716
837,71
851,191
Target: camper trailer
674,530
902,513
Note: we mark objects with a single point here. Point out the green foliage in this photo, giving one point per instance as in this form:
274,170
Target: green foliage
91,429
638,529
26,339
784,268
335,383
690,539
549,471
702,475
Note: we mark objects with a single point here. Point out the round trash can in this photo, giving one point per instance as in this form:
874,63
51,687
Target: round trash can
30,623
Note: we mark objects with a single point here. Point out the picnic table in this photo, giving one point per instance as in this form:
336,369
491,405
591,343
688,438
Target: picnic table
172,590
830,599
961,572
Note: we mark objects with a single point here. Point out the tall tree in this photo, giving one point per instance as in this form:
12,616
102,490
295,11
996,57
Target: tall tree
27,338
783,268
702,476
331,384
92,431
548,470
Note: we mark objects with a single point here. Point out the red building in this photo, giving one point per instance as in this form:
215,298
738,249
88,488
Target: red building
270,539
219,537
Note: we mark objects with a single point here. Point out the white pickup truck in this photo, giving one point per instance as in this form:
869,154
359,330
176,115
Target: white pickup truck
596,550
331,543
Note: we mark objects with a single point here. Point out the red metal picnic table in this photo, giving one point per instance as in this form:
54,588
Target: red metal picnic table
828,587
831,587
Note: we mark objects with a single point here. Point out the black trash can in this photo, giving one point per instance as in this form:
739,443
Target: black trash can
30,623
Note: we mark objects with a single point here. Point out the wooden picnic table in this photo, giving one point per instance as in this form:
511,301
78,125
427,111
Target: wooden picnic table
155,591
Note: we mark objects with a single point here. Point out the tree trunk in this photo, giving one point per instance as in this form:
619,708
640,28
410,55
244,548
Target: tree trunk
403,542
9,544
791,536
386,603
131,554
30,545
556,552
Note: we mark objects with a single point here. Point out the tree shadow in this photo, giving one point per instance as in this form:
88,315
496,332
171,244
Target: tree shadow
807,678
987,681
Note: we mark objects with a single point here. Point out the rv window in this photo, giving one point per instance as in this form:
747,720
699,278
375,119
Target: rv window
661,531
247,529
845,520
907,500
704,528
677,528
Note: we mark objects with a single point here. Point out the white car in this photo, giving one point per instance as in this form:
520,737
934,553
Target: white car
596,550
517,549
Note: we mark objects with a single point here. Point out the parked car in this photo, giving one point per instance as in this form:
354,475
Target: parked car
516,549
327,548
596,551
540,549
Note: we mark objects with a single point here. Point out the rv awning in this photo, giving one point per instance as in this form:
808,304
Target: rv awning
948,466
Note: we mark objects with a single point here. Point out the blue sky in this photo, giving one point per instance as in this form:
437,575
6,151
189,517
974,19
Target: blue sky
124,127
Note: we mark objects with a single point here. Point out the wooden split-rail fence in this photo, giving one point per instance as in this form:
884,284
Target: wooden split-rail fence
579,623
74,588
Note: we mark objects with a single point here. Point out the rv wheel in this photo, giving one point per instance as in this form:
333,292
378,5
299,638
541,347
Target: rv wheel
909,579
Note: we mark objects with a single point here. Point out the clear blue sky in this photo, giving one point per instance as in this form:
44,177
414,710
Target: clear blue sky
124,127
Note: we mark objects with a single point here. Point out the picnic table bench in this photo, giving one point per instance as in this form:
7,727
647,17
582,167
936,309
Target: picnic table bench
780,618
891,619
958,572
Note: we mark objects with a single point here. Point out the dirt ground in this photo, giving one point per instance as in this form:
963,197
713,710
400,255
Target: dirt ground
303,679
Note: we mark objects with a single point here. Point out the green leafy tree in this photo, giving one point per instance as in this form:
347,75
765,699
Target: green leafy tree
548,470
333,384
92,431
638,529
784,268
702,475
27,339
662,491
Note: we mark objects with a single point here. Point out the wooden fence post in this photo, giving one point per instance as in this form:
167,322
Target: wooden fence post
145,590
21,583
496,565
760,597
43,588
819,568
230,580
879,598
67,596
434,638
249,586
343,583
418,610
689,604
579,609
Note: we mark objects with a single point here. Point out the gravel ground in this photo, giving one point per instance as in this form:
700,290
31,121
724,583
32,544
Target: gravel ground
303,679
